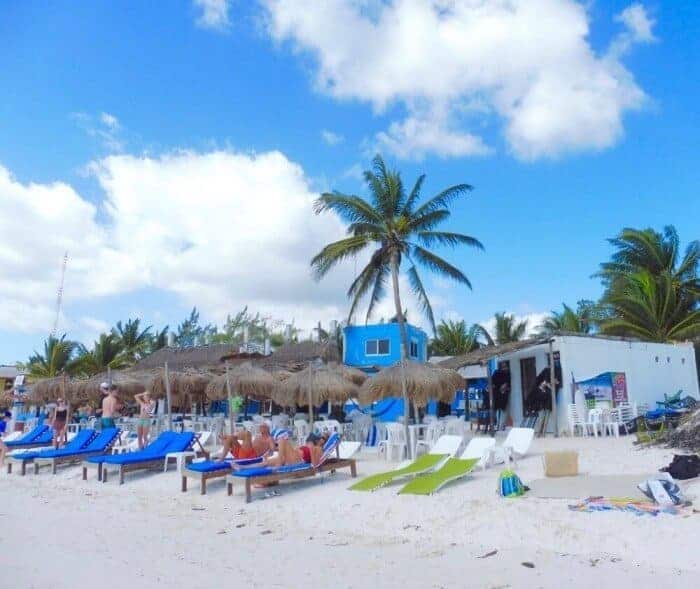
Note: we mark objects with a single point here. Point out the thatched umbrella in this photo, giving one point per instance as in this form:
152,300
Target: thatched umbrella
50,389
246,380
315,385
423,382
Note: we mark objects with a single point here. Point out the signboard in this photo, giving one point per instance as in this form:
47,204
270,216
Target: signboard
608,387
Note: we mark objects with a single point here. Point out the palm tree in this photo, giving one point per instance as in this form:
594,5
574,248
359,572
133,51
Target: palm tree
56,359
454,338
506,330
400,230
133,340
651,291
657,253
653,308
573,321
158,340
107,352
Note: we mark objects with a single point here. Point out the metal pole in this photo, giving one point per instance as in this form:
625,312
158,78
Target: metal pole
490,382
553,389
167,394
229,396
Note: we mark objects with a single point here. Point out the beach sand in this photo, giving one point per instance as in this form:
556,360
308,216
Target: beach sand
61,532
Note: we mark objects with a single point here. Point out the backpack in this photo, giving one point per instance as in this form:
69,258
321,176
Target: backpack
683,466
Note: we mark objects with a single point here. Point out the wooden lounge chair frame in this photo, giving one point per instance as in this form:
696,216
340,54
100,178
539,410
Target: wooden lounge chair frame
202,477
330,465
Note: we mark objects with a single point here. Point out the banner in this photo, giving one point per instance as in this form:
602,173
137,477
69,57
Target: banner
609,387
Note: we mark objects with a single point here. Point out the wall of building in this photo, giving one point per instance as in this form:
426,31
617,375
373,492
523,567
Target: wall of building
356,336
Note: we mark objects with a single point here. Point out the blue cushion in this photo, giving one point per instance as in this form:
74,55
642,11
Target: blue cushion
30,437
156,449
267,470
102,441
181,442
209,466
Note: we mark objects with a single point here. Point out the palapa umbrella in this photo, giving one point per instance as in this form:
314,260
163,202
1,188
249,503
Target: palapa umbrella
423,382
315,385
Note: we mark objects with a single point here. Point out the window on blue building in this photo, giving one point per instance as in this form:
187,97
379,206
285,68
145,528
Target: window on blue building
377,347
413,349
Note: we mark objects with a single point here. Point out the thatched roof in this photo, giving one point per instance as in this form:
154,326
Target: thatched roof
246,380
423,382
179,359
483,355
324,383
304,352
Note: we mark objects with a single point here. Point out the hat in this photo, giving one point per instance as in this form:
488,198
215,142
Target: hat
313,438
104,386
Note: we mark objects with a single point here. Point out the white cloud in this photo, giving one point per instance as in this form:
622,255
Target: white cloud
331,138
214,14
635,18
220,229
105,127
528,63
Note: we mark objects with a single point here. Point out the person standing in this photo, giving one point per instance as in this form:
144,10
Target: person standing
3,431
147,409
58,421
110,406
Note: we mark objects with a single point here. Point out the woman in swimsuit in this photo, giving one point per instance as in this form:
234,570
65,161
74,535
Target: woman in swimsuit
147,409
288,453
240,445
58,422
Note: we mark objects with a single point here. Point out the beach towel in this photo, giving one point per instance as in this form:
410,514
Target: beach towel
624,504
371,439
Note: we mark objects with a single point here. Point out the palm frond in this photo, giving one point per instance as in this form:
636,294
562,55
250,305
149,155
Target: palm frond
443,199
438,265
430,238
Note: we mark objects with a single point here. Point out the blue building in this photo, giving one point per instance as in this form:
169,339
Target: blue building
366,346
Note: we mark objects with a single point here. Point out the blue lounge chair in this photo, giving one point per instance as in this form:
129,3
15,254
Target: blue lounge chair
150,457
157,445
272,474
81,439
98,445
214,469
41,435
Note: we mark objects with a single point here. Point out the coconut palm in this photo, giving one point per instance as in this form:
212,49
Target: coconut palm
107,352
657,253
400,231
653,308
506,329
455,338
158,340
58,357
579,320
133,340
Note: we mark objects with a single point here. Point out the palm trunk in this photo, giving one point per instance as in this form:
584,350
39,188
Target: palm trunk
404,345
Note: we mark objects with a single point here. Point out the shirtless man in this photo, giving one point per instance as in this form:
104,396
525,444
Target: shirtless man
263,442
110,405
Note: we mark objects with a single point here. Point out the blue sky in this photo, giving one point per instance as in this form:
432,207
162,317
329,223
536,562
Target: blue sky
174,148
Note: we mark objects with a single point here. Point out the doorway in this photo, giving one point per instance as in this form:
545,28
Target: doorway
528,377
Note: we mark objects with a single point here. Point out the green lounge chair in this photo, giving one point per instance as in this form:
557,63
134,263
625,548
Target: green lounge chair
443,449
427,484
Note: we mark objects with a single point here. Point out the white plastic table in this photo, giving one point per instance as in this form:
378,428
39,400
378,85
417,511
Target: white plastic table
180,457
414,432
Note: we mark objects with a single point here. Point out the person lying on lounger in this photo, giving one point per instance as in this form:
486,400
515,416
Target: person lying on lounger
240,445
288,453
263,442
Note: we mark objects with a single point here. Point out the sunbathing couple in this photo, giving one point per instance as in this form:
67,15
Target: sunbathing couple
243,445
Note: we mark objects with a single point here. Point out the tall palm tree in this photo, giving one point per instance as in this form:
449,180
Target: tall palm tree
653,308
579,320
158,340
56,359
506,330
651,291
133,340
107,352
400,230
454,338
657,253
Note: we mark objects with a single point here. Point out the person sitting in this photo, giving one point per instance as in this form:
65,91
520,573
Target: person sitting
263,442
288,453
240,445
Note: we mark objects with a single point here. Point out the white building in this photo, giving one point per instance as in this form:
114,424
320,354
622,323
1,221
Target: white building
651,370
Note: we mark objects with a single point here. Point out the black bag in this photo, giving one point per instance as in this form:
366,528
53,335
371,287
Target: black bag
684,466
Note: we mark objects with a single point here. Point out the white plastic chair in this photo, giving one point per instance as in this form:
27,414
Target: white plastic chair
576,422
301,430
594,423
395,441
611,422
627,413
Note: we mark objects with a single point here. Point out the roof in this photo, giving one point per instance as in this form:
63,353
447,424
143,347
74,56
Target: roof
305,352
8,371
486,353
194,357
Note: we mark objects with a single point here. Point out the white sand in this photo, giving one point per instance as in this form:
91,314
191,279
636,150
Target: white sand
58,531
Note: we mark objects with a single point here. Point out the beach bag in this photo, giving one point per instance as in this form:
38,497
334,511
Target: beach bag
510,485
683,467
663,490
